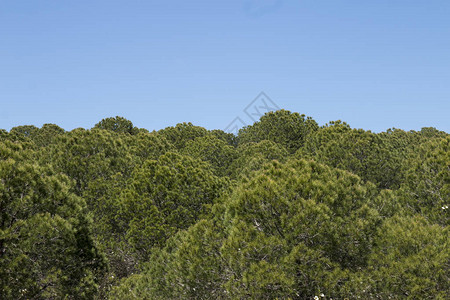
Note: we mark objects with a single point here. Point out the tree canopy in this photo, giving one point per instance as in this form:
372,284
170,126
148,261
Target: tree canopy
287,209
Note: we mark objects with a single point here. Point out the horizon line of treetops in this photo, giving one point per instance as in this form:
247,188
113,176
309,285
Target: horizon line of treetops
285,209
123,125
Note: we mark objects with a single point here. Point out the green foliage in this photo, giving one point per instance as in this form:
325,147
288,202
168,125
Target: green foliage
252,157
426,190
101,162
25,130
42,137
285,210
45,244
291,231
411,260
229,138
118,125
327,208
164,196
290,130
87,155
212,150
182,133
161,197
146,145
48,134
192,270
360,152
431,132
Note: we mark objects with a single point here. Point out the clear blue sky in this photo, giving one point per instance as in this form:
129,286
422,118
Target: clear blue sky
375,64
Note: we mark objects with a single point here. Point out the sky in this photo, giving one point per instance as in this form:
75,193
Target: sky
374,64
